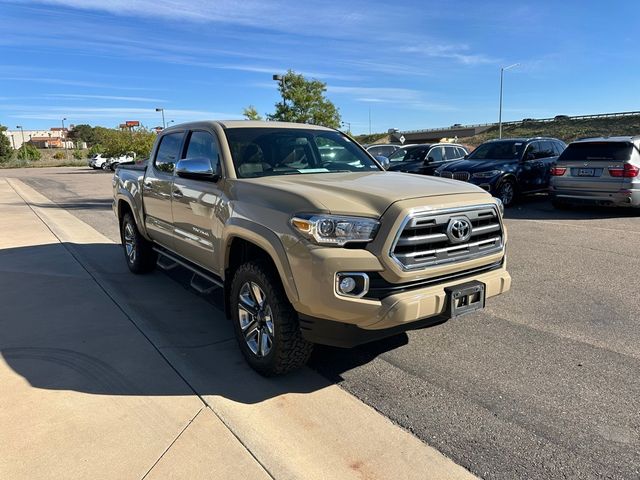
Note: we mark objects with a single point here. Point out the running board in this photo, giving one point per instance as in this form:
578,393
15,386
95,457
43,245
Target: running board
168,260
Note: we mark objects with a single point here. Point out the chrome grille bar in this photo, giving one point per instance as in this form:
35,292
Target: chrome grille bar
422,240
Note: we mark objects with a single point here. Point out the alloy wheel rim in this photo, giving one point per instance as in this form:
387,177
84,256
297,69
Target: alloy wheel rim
130,242
506,193
256,319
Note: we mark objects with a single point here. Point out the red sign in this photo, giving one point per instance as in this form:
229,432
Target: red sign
132,123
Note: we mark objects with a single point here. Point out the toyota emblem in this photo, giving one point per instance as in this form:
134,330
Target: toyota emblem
459,230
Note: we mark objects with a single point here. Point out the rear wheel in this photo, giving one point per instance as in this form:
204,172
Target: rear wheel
138,251
265,323
507,192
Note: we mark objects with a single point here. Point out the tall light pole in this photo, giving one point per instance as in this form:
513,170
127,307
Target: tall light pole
281,79
64,141
22,130
164,125
502,70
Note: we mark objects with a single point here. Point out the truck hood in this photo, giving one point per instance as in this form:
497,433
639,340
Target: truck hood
362,193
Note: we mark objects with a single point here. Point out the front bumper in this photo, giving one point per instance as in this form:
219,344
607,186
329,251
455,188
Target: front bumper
329,318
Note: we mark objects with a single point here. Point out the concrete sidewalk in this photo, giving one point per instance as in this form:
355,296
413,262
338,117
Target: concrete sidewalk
119,376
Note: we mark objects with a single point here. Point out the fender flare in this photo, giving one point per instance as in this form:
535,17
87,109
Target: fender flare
126,197
265,239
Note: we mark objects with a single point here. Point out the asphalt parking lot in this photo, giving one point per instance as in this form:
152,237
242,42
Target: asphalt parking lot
541,384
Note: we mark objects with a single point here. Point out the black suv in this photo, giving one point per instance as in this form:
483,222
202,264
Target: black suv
509,167
425,158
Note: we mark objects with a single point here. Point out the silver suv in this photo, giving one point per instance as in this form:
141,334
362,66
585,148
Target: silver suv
600,171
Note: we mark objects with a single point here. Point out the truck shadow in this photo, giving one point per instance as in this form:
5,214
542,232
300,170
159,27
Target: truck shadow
74,318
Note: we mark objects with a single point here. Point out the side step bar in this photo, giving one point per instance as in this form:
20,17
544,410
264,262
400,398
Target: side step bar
168,260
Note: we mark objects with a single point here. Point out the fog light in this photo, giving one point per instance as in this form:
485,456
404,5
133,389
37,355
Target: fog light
347,284
352,284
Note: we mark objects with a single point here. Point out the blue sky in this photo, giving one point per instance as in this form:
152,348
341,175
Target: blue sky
412,64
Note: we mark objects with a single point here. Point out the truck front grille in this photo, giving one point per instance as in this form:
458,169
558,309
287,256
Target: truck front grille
462,176
428,238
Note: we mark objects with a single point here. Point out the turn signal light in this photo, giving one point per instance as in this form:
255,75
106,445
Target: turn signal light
558,171
628,171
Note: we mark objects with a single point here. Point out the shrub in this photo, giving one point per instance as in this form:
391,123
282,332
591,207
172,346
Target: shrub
28,152
79,154
59,156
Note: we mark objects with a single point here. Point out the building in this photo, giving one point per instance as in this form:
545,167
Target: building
53,138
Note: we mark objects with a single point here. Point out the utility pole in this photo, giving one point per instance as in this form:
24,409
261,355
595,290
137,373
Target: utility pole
348,124
502,70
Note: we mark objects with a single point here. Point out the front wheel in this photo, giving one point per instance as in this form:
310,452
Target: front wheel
507,192
265,323
138,251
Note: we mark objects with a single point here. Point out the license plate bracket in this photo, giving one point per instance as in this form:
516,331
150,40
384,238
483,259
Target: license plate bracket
586,172
465,298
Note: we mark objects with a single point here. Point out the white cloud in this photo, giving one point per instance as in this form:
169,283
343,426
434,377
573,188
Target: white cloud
104,97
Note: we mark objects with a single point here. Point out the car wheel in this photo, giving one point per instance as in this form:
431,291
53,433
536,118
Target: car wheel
138,251
113,166
105,166
265,323
507,192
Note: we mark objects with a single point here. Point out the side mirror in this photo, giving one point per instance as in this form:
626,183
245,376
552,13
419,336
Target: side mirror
430,159
197,169
384,161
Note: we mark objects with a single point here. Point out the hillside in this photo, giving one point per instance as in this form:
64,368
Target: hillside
567,130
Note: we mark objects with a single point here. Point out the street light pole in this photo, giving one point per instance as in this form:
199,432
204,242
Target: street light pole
502,70
164,125
64,141
22,130
281,79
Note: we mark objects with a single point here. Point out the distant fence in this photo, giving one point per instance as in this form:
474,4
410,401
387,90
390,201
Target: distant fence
515,122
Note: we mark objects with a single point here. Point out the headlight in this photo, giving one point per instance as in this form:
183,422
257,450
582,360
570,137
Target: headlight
334,229
500,206
489,174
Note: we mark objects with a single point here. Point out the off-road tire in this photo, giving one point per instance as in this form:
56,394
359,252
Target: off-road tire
289,350
144,258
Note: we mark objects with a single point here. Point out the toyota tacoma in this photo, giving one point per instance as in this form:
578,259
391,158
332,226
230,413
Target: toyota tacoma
310,238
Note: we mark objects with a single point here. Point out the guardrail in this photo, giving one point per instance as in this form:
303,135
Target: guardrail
514,122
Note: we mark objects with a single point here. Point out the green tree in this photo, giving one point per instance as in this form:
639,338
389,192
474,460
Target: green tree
250,113
116,143
84,133
6,150
303,101
28,152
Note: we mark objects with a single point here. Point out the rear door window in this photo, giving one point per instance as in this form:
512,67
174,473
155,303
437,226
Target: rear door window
594,151
436,154
547,150
451,153
168,152
533,151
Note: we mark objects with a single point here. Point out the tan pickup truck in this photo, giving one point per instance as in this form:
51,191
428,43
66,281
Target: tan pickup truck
310,238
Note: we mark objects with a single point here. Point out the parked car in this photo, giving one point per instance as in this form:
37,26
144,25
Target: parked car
383,150
97,161
113,162
509,167
308,247
425,158
598,171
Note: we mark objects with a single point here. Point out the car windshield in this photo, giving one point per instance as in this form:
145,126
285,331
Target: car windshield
410,153
502,150
259,152
606,151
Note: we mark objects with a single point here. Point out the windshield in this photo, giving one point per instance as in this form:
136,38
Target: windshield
259,152
504,150
606,151
411,153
